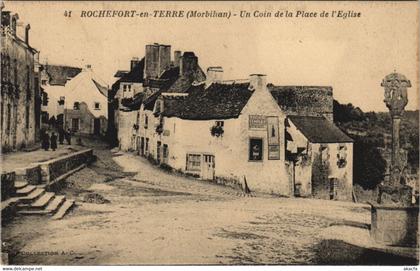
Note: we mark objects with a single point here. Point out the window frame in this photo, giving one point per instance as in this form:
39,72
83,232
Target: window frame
249,149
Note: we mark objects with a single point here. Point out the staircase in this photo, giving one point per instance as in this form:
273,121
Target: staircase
35,200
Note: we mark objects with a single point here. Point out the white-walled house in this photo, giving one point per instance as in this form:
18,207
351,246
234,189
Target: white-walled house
322,158
184,131
86,103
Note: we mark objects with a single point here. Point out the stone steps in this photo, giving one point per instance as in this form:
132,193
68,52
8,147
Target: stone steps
40,203
26,190
20,184
64,209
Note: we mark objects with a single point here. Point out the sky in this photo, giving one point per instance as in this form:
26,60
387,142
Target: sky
352,55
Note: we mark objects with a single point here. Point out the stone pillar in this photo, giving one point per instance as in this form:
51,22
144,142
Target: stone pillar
394,216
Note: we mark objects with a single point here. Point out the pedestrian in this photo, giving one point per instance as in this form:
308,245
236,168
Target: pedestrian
46,141
61,135
68,136
53,141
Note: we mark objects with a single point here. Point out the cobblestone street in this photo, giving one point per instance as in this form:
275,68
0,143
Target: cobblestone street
156,217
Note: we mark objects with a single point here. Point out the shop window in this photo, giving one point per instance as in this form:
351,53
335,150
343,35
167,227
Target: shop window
193,162
255,149
75,124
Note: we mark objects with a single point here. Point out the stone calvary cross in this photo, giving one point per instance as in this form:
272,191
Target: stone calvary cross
396,99
394,217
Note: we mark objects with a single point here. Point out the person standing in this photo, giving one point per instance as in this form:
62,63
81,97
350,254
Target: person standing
68,136
46,141
53,141
61,135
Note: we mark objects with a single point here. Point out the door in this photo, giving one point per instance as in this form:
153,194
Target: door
96,126
158,151
142,146
207,170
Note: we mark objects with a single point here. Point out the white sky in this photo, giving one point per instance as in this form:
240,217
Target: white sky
352,55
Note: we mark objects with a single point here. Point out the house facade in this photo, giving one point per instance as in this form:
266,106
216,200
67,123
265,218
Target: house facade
53,81
20,90
273,139
86,104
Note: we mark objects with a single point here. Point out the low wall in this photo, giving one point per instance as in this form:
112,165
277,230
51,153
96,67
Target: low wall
30,174
393,225
53,169
7,185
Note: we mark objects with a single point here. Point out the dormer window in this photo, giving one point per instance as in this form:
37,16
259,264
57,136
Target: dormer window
76,106
97,106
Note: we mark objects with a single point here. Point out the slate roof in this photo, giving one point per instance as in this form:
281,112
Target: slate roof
303,100
218,101
319,130
102,89
59,74
135,75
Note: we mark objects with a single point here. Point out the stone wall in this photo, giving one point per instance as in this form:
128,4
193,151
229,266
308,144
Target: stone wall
18,92
30,174
55,168
7,185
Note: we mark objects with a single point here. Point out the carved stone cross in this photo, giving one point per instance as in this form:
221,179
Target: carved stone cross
396,85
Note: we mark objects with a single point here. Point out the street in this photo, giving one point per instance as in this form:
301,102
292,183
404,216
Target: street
157,217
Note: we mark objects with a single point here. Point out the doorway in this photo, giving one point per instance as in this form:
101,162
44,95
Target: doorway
96,126
207,170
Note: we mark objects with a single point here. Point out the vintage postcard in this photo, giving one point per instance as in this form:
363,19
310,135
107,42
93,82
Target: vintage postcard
162,133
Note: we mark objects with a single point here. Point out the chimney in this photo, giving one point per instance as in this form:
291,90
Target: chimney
134,61
27,28
157,60
214,75
189,63
258,82
164,58
177,58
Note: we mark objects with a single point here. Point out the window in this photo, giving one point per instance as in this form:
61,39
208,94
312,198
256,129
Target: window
146,121
75,125
43,82
220,123
27,115
124,88
76,106
255,149
193,162
165,153
9,113
146,149
97,106
158,148
129,88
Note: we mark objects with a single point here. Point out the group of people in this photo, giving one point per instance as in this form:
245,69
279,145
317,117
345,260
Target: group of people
50,141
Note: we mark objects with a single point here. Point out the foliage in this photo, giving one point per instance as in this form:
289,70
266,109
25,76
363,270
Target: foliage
374,131
216,130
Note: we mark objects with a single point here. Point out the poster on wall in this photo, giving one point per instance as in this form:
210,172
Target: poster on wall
273,138
257,122
273,152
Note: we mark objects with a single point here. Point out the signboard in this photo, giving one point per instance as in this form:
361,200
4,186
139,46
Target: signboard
273,152
273,138
257,122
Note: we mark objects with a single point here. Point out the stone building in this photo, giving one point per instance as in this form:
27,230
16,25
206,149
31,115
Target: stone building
157,72
53,80
85,104
20,92
274,139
